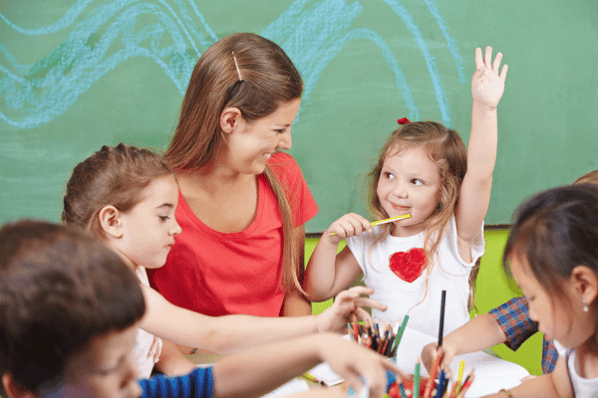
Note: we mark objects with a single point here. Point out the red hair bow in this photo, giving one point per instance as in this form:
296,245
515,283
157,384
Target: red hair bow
403,121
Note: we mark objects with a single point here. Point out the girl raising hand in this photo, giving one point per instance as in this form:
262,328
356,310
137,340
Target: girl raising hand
423,171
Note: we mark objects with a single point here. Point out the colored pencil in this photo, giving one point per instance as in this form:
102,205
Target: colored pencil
441,325
402,391
466,384
355,327
380,222
416,380
392,219
460,377
441,383
400,333
433,374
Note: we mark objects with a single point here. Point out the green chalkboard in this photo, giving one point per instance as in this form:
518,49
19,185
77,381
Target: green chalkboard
77,74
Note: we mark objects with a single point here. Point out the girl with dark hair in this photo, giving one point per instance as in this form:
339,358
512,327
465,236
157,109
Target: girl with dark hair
553,256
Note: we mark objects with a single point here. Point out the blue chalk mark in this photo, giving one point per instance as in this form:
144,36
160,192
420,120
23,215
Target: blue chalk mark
402,12
311,32
452,44
66,20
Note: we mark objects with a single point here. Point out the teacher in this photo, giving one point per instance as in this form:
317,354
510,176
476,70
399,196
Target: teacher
242,202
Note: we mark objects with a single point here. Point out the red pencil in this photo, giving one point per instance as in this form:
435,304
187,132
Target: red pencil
466,384
433,374
355,328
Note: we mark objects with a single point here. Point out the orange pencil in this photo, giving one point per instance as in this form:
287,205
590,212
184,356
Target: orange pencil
433,374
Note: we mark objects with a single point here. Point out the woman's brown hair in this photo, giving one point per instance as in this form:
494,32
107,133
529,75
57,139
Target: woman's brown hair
111,176
253,74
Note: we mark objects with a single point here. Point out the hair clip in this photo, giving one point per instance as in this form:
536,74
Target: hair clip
403,121
237,66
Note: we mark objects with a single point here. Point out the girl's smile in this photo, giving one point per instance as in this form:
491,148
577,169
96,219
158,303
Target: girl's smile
409,183
251,144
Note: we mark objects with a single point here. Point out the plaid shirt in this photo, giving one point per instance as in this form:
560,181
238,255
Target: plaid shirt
513,318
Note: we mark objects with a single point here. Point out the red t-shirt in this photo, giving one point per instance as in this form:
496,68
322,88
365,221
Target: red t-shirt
217,273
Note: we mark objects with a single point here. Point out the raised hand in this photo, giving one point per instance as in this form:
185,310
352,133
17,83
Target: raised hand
349,301
487,84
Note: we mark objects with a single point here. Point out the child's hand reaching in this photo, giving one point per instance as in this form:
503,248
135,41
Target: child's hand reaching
348,225
347,302
351,360
487,85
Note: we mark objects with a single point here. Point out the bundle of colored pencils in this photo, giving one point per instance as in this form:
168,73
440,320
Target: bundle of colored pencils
381,338
416,386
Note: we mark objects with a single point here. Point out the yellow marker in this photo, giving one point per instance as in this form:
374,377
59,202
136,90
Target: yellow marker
386,221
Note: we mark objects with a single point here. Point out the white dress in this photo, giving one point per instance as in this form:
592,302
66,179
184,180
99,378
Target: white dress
402,297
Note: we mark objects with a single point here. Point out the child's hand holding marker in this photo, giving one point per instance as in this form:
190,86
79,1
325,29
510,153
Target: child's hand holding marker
353,225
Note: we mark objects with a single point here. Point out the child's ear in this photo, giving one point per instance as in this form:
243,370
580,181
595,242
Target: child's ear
110,221
229,119
14,389
586,283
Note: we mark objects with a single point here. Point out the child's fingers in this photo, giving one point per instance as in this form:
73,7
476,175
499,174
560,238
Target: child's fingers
496,63
362,302
479,62
359,290
364,316
353,381
488,57
503,73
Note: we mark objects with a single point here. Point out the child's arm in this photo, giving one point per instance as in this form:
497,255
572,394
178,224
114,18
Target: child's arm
172,362
478,334
487,87
234,332
551,385
257,371
295,303
328,273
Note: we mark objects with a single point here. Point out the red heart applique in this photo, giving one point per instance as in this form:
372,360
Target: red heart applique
408,265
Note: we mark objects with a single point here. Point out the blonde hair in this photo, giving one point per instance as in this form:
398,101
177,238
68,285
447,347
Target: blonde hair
255,75
111,176
445,148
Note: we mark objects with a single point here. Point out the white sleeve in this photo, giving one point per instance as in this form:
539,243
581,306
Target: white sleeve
477,246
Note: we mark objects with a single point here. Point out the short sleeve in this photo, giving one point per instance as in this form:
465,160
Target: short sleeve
288,173
198,383
477,246
513,318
